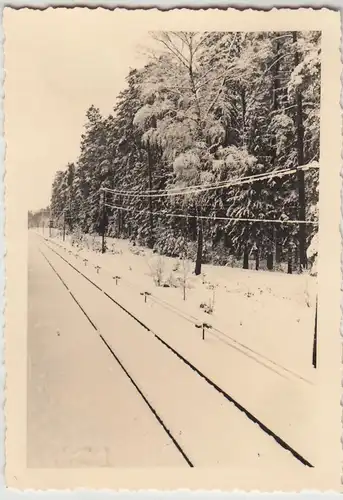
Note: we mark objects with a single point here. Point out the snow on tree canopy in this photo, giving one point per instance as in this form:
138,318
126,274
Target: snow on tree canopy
235,157
150,91
151,137
216,133
221,108
143,115
218,165
175,137
186,166
309,68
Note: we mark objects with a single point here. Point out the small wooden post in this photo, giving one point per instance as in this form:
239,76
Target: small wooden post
64,226
314,353
145,294
203,326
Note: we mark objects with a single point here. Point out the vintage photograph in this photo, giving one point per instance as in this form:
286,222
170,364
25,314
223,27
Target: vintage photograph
173,204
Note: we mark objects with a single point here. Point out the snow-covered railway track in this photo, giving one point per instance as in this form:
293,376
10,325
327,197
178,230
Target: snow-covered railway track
115,356
221,336
259,427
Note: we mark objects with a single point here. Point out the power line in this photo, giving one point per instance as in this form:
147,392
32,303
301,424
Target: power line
201,187
231,219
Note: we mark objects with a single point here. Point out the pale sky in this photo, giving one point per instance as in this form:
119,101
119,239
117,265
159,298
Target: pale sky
58,62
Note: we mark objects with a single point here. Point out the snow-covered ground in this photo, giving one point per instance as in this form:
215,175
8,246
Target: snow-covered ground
271,312
212,431
259,348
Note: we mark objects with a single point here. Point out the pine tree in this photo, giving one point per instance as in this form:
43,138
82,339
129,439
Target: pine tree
206,108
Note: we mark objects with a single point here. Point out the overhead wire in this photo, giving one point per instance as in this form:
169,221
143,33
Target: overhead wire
205,217
209,187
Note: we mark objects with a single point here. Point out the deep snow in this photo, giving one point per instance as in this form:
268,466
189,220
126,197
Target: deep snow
259,348
272,312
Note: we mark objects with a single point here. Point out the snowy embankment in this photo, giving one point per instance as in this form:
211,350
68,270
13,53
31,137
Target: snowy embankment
259,348
210,430
273,313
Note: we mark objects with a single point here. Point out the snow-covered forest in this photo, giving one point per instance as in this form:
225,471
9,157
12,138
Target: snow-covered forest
39,217
203,146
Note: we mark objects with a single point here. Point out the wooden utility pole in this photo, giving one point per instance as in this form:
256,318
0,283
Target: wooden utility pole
103,223
314,353
64,226
50,222
200,243
276,84
289,260
120,217
199,249
151,236
300,173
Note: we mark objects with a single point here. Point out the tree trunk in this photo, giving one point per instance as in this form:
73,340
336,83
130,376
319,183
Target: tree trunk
120,217
184,228
257,260
227,242
270,251
275,107
296,259
300,173
198,261
302,215
270,261
193,225
289,266
246,259
103,225
278,247
243,116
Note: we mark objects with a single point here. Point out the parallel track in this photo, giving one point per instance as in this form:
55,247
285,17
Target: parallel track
225,338
229,398
115,356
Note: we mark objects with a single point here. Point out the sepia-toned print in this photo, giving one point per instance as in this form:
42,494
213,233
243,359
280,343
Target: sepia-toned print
175,230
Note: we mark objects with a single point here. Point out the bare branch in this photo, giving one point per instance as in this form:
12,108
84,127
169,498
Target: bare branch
202,41
218,77
223,81
176,35
170,48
